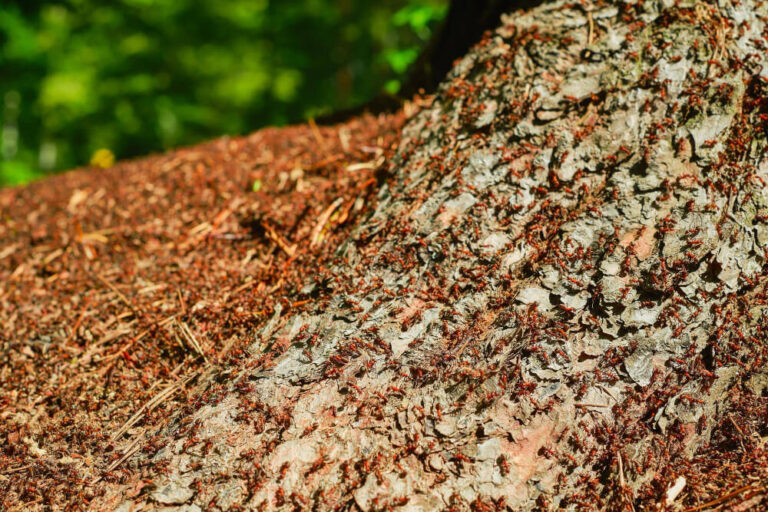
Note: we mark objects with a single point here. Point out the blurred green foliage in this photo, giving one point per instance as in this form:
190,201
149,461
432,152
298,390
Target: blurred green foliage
138,76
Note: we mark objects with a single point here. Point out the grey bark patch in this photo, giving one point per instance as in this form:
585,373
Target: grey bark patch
493,243
637,315
488,115
399,344
639,366
577,301
174,493
460,204
489,449
535,295
481,171
709,128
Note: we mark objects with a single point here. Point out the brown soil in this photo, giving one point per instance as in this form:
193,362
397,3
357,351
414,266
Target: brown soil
103,271
117,283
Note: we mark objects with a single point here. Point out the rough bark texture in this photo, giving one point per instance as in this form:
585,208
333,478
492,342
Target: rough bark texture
558,302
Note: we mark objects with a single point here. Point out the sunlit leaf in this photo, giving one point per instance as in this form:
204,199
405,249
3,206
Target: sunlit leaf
103,158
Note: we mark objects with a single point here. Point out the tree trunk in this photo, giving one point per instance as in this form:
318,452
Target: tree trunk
559,301
464,26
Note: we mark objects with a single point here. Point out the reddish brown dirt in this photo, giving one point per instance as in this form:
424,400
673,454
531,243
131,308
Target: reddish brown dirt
97,265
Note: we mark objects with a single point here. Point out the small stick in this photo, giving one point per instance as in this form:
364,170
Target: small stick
318,229
152,404
621,471
20,468
738,429
720,499
79,319
192,340
290,250
316,133
181,302
244,286
133,448
361,166
129,344
114,289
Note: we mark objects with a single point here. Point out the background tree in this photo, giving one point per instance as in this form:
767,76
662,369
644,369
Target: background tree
138,76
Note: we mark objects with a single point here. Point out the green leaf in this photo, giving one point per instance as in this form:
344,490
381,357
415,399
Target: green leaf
400,60
16,173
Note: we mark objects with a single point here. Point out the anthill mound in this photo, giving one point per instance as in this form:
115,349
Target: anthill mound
543,288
